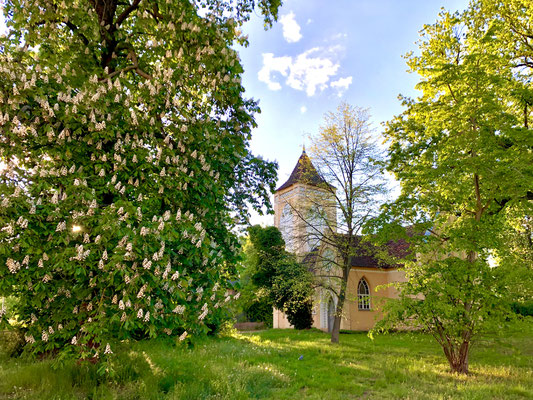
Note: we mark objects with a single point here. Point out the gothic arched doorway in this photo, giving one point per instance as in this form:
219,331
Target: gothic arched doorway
331,314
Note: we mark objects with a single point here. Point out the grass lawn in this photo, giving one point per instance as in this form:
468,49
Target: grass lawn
263,365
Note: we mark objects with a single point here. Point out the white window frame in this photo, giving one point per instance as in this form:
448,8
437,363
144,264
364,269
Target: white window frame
363,299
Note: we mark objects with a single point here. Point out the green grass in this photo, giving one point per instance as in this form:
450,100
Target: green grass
263,365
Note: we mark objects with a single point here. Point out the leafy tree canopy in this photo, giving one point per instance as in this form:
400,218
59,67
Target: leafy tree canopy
345,187
288,283
462,153
125,166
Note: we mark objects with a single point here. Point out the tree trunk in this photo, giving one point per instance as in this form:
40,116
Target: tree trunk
463,360
458,357
338,310
459,364
335,332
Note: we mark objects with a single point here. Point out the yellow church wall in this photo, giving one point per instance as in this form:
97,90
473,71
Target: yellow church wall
365,319
354,319
291,196
395,276
280,198
301,198
297,196
280,320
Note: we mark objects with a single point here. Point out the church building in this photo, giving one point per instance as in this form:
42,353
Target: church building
292,200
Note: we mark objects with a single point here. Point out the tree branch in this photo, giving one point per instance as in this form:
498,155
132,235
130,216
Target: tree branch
126,13
135,67
76,30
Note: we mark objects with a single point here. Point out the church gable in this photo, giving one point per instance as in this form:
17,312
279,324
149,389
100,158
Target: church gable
303,194
306,192
304,172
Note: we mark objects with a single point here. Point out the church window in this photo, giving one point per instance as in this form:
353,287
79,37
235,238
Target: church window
315,227
285,226
363,295
328,260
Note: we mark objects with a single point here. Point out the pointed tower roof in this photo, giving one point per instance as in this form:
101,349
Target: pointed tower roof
303,172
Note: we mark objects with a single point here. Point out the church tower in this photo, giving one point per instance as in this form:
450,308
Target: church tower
305,204
303,208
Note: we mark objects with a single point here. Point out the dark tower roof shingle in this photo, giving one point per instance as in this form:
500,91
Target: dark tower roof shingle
303,172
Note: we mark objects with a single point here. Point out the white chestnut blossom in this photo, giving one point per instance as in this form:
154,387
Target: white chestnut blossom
119,149
108,349
12,265
179,309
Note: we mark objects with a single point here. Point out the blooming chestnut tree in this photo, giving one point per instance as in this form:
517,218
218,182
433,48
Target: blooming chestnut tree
124,167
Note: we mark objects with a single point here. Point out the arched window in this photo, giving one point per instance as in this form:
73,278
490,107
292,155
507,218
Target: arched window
363,295
315,227
328,260
286,227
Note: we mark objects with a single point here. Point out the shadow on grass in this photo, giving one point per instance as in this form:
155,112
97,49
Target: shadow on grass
214,368
281,364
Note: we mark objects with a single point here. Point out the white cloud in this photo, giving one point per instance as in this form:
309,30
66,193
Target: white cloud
308,71
291,29
339,36
273,64
303,109
341,85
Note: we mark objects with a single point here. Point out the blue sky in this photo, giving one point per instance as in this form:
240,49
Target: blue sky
319,53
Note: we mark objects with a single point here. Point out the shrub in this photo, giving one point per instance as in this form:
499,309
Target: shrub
289,284
301,317
260,311
525,309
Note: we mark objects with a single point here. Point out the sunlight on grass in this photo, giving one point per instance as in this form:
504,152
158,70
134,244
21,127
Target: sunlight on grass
271,369
355,366
286,364
154,368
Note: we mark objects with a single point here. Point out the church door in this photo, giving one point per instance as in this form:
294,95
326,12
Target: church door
331,314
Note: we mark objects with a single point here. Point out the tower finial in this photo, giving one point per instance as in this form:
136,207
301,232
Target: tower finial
303,148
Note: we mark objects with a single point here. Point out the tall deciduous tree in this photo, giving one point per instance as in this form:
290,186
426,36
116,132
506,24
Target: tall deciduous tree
345,196
288,283
462,153
125,165
511,22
